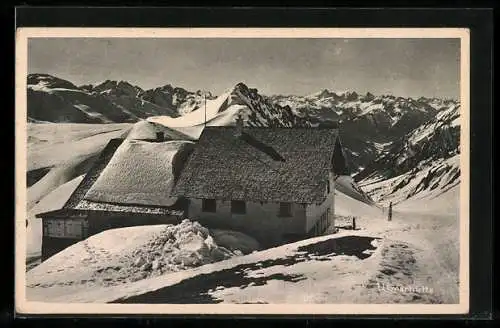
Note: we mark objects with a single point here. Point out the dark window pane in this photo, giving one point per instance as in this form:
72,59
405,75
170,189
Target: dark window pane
238,207
285,210
209,205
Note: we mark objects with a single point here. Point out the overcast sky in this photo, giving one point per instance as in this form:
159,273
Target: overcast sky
403,67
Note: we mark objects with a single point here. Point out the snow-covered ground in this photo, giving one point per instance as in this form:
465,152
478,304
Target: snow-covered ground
64,152
418,249
121,256
373,264
424,183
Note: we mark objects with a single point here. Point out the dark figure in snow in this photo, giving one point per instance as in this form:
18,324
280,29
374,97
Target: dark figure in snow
389,215
353,223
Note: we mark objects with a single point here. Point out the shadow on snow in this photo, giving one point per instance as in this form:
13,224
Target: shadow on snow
195,290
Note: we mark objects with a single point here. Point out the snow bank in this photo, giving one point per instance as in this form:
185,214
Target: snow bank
124,255
447,202
235,241
348,206
347,186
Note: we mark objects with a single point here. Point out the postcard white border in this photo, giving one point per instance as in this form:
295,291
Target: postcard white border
26,307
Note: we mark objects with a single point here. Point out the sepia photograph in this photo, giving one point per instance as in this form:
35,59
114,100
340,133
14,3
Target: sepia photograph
242,170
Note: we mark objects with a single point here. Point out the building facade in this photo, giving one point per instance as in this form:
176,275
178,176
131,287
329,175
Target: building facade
271,223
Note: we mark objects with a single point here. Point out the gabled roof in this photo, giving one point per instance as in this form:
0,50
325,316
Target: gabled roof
78,204
140,173
263,164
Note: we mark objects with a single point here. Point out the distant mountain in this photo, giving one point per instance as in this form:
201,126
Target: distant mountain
179,99
369,124
374,129
425,161
256,110
51,99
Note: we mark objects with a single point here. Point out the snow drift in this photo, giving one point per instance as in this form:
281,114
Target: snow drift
124,255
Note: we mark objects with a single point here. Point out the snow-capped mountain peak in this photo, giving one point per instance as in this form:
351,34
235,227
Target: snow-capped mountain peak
48,81
117,88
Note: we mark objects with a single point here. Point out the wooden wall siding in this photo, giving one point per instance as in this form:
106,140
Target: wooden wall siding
62,232
53,245
73,228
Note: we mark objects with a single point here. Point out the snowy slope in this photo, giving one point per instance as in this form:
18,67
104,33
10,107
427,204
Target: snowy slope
59,152
223,110
121,256
346,185
425,162
428,182
347,267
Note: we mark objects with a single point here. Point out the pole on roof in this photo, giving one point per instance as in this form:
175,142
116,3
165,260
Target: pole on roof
205,109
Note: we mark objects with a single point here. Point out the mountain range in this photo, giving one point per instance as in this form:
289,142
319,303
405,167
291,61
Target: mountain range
384,136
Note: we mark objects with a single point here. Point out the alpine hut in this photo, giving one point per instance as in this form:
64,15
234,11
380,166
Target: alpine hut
275,184
129,184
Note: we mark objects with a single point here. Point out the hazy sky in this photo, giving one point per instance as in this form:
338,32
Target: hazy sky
403,67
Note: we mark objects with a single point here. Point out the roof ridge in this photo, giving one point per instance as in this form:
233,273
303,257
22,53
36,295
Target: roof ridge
222,168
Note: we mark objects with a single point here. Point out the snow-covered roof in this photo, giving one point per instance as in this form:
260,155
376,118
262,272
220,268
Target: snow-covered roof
145,130
77,204
140,173
264,164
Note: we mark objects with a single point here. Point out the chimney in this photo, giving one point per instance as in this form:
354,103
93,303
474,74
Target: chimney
239,126
160,136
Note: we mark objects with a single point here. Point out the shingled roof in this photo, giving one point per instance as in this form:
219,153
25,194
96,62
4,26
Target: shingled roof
263,164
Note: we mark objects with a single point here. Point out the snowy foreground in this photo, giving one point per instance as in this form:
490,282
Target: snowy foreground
411,259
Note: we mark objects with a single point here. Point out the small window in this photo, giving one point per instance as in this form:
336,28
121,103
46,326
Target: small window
45,228
328,187
209,205
285,210
238,207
